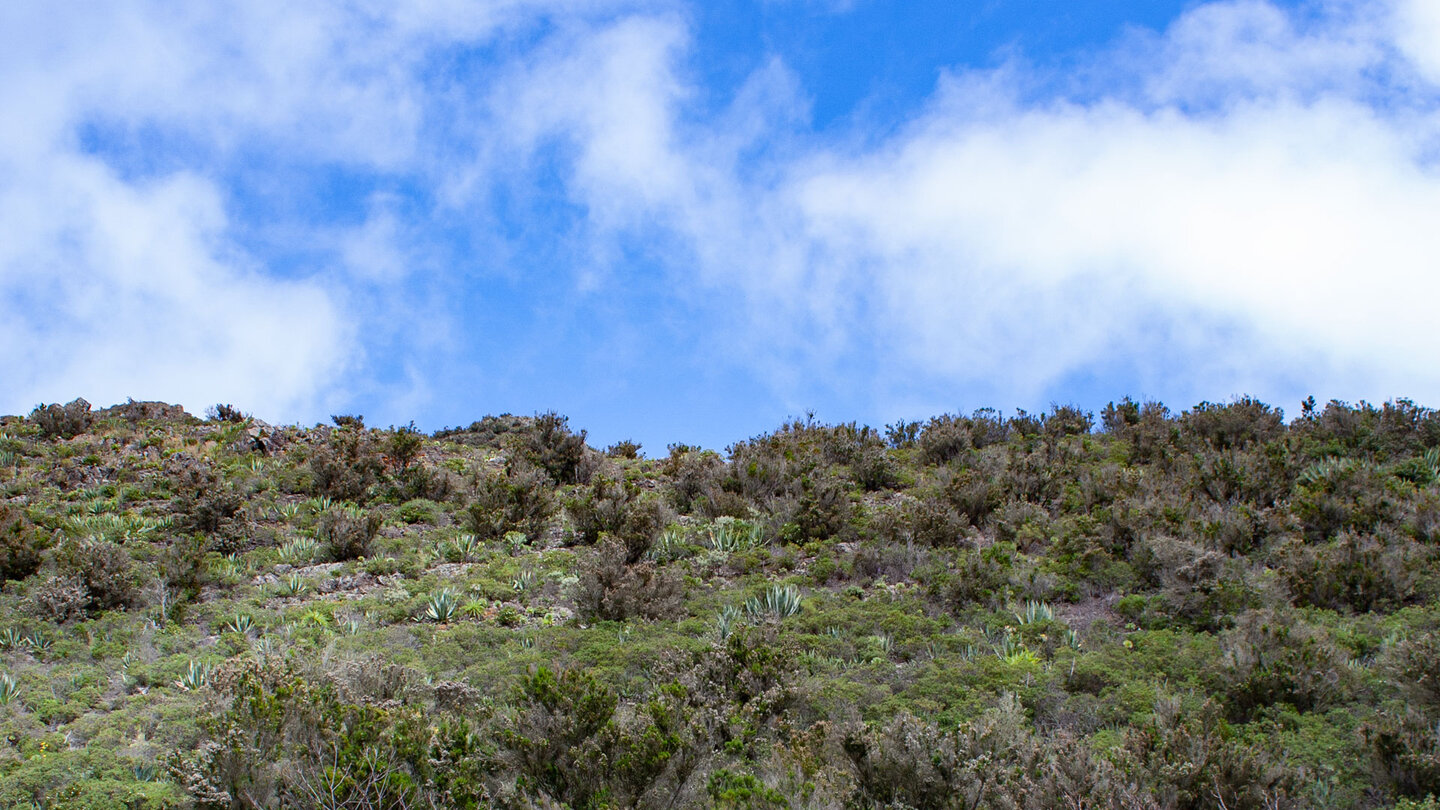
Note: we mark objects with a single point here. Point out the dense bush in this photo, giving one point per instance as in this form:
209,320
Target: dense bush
345,533
612,588
616,508
21,544
62,421
519,500
348,465
546,442
91,575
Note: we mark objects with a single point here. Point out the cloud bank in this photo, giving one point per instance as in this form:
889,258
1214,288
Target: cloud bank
1243,203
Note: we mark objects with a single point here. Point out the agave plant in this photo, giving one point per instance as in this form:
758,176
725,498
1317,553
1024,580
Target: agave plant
1006,646
229,567
728,535
464,548
287,512
294,585
197,675
1034,612
38,642
242,624
1325,470
9,690
778,602
524,582
668,547
441,606
725,622
300,551
144,771
12,639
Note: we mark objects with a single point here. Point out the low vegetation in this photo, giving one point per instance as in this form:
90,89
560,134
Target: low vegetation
1144,609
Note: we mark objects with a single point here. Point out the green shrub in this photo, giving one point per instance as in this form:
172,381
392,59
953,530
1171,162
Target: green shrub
418,510
618,509
348,466
21,544
62,421
520,500
612,588
90,576
546,442
742,791
345,532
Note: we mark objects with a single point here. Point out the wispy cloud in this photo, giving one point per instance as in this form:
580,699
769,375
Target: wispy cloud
1241,203
1249,196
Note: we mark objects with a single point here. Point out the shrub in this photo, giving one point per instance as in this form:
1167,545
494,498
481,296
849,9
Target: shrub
1272,659
347,466
63,421
345,533
91,575
624,449
1339,494
222,412
1358,572
548,444
572,748
20,544
404,445
520,500
874,470
1189,760
1237,424
418,510
618,509
694,483
992,761
1406,752
610,588
742,791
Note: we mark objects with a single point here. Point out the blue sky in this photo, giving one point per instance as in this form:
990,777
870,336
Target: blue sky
689,221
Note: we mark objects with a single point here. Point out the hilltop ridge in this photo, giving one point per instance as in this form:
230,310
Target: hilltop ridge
1143,609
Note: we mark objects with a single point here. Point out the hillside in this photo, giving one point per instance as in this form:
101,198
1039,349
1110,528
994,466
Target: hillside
1209,608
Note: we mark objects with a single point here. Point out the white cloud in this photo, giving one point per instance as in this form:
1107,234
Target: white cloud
1249,194
119,280
1256,201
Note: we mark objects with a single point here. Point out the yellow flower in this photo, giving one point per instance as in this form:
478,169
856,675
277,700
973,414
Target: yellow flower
1129,644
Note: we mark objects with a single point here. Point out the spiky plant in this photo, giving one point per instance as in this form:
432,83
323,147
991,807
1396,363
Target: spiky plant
524,582
294,585
242,624
441,606
12,639
728,536
779,602
1034,612
9,689
197,675
668,547
464,548
299,551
